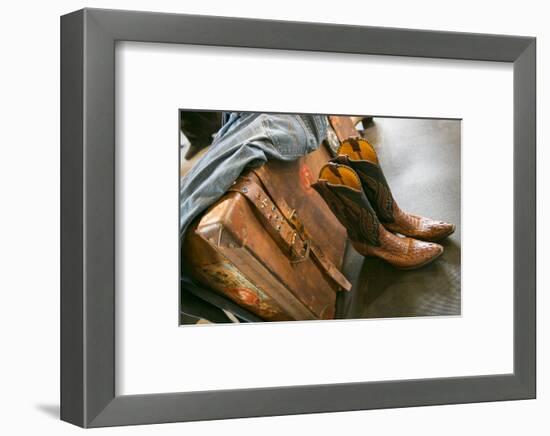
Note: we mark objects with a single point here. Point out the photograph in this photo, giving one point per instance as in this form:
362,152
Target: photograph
297,217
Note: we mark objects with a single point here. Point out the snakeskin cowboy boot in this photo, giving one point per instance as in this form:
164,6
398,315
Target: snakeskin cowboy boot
341,189
359,155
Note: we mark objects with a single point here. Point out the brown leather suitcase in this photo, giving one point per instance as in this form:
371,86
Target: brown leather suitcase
271,244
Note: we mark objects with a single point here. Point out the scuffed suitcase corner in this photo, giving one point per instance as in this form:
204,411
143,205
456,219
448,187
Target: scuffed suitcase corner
204,261
216,225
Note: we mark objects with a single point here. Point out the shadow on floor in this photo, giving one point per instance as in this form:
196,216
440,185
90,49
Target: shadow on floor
52,410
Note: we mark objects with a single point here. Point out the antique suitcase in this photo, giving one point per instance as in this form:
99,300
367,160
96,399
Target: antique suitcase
271,244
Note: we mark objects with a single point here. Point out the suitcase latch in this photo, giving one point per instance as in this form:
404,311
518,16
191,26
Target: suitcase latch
297,258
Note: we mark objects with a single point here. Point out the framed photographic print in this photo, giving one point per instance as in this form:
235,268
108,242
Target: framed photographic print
265,217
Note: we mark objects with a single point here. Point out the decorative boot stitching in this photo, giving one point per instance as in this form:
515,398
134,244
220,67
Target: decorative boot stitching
359,219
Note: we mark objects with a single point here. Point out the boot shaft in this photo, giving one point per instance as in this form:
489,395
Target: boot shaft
341,189
375,186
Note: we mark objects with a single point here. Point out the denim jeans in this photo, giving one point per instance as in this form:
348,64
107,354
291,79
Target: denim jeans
246,140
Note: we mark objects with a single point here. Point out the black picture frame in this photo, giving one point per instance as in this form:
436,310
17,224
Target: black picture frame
88,38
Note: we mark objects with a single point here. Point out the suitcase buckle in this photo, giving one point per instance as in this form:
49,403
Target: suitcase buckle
303,257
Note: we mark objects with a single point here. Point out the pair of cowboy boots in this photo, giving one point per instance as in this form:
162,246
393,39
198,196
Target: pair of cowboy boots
354,187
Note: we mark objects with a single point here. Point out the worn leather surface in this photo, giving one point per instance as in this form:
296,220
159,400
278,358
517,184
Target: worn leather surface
286,228
352,207
229,249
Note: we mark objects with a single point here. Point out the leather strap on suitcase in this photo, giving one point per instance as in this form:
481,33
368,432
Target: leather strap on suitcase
284,226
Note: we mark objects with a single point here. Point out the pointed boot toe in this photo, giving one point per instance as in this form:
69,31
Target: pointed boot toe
422,253
402,252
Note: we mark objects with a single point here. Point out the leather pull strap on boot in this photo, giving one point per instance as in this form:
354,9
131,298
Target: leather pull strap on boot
359,155
341,189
